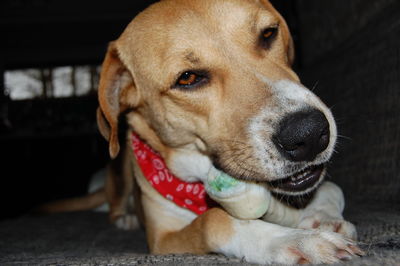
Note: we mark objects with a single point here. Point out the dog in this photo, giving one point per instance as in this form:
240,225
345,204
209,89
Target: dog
209,83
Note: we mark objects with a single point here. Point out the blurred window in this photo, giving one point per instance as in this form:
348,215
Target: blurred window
65,81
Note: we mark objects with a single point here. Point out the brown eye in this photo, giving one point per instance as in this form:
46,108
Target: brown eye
268,33
187,79
192,79
267,36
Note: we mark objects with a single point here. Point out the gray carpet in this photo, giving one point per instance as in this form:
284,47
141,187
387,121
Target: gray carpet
87,238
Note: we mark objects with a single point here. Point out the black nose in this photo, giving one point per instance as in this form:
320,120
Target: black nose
301,136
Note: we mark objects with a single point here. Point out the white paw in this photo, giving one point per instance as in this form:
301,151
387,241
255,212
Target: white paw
266,243
325,222
127,222
314,246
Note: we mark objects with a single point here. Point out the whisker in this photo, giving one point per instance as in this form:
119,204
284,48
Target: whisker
236,163
331,107
315,86
344,137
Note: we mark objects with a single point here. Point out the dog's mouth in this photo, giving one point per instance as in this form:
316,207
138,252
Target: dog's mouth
301,181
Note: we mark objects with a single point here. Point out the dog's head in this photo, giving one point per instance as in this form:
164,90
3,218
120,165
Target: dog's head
214,78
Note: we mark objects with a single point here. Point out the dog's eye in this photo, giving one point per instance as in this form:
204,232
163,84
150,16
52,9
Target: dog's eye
189,79
267,36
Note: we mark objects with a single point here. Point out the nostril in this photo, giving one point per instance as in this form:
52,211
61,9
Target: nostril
295,146
325,131
323,141
288,145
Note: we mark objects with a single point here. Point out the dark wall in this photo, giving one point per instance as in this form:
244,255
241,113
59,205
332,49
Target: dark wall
49,148
50,152
53,32
325,26
351,54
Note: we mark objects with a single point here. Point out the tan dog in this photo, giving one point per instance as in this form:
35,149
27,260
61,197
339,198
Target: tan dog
209,83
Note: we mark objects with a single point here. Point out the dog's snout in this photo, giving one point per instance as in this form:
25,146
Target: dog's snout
302,135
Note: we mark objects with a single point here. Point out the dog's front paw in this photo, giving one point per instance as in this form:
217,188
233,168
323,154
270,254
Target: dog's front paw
325,222
127,222
315,246
265,243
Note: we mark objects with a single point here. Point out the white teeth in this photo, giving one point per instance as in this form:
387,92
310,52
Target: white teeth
299,176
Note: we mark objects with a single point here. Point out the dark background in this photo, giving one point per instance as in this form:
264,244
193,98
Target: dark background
50,147
347,49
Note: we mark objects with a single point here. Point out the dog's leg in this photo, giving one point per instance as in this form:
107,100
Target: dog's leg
325,212
171,229
119,192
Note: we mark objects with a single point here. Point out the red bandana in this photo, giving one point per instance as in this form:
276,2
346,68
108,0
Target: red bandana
191,196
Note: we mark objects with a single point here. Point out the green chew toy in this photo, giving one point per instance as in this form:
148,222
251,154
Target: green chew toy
223,182
241,199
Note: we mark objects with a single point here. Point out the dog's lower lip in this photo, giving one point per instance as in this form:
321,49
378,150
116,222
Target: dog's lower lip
301,180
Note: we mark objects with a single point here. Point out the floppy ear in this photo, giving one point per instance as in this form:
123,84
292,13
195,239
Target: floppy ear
115,83
102,124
